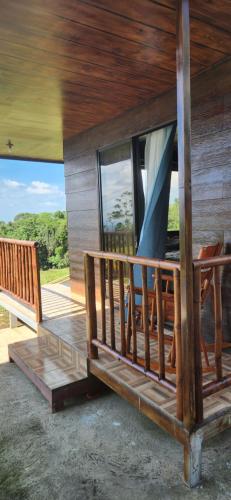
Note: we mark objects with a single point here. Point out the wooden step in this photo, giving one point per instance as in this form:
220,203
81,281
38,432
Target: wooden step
59,372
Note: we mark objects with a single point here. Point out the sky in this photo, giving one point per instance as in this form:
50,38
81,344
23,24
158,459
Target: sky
27,186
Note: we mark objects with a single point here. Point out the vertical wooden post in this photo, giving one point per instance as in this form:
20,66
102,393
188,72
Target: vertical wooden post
177,336
160,323
133,314
37,286
197,338
145,310
218,322
122,311
102,296
184,162
91,306
111,304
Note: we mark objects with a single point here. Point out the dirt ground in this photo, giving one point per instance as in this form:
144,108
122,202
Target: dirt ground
101,449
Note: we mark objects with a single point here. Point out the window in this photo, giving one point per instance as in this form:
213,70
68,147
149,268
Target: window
116,175
126,190
173,212
148,147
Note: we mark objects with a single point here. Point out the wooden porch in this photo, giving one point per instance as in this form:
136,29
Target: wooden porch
80,350
57,358
63,333
168,372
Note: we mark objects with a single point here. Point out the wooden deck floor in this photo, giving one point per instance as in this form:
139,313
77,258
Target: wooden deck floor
59,356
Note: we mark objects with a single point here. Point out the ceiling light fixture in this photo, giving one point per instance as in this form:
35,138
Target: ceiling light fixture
10,146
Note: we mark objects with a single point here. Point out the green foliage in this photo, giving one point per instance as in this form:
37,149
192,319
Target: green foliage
173,216
49,229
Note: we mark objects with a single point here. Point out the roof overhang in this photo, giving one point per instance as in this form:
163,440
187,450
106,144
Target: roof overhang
68,65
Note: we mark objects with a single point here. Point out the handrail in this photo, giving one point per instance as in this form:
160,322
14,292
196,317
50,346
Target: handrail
20,242
167,265
20,274
221,379
221,260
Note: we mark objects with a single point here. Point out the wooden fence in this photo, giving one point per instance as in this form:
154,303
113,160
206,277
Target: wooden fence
19,272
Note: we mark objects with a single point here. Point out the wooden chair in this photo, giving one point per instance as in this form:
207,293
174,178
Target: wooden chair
168,303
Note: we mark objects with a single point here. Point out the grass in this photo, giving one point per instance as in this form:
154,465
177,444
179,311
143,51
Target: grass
4,319
51,275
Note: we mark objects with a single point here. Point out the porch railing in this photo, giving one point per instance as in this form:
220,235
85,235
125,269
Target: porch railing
221,374
19,272
108,327
119,242
112,334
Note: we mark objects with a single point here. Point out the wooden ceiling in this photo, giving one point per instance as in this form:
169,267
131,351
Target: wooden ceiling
68,65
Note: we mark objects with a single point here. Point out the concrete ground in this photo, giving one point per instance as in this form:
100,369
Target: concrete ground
100,449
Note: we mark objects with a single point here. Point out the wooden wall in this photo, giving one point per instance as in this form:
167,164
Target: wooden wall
211,165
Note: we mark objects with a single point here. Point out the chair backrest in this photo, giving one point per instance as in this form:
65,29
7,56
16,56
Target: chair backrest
207,274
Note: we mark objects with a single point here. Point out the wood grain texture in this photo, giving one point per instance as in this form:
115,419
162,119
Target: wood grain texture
20,273
211,157
68,66
185,207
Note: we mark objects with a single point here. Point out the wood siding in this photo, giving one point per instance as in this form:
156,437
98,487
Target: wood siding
211,164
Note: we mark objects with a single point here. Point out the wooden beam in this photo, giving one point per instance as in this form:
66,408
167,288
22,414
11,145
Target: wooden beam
185,199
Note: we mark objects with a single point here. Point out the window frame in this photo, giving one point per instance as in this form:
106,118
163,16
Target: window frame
134,141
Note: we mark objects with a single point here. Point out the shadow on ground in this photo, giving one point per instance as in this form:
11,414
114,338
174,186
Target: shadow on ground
101,449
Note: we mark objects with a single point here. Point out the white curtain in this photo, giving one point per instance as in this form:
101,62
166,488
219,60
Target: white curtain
156,143
158,157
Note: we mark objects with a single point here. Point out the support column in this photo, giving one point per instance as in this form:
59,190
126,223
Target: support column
14,322
193,461
185,200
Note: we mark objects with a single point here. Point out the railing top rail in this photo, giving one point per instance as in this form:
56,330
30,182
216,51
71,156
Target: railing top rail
221,260
19,242
129,259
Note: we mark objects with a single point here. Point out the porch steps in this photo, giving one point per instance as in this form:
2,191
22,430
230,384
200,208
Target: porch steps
58,371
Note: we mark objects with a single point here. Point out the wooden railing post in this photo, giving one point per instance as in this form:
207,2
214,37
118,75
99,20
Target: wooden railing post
218,321
122,311
103,298
160,323
145,309
36,282
91,306
177,336
197,339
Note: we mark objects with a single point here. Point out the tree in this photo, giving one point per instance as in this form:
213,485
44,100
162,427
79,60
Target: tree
173,216
49,229
122,213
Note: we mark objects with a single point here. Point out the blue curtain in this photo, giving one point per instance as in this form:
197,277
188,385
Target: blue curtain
158,157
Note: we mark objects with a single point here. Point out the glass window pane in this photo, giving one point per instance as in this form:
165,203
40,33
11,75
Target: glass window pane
117,199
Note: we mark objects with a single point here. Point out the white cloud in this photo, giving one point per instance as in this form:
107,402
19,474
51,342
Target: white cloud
38,187
12,184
